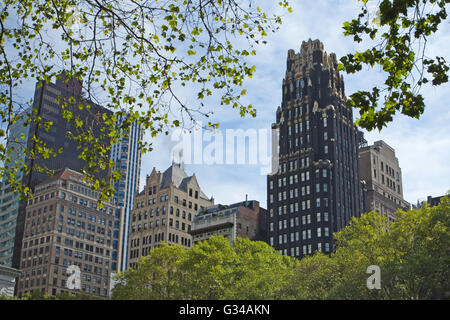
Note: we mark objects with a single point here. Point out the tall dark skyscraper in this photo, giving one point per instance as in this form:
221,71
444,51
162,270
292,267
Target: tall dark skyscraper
49,108
47,102
316,189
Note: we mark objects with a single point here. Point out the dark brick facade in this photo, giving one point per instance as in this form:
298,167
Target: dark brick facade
47,102
317,189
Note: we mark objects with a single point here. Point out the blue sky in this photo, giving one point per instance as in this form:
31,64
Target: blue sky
422,146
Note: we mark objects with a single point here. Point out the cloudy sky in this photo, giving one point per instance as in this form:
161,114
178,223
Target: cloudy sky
422,146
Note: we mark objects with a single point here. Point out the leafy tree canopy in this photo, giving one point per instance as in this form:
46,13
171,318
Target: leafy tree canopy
157,276
213,269
412,253
134,58
399,31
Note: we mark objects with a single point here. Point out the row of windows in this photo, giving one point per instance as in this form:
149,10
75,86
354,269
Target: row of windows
31,232
39,211
153,190
183,240
147,240
188,204
34,272
306,249
174,238
36,241
82,235
297,142
83,190
294,207
56,271
81,246
35,251
300,138
192,193
156,212
305,205
86,203
160,237
391,184
293,193
41,198
83,225
155,224
87,257
86,267
299,89
293,179
389,170
294,112
30,283
295,236
35,262
306,219
37,222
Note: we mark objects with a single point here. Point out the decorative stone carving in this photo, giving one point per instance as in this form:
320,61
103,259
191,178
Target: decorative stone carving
315,107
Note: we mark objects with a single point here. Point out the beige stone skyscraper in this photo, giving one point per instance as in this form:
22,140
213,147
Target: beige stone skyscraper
316,190
380,169
164,211
65,228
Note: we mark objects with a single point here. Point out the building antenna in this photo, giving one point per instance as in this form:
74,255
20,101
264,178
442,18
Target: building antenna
177,158
180,156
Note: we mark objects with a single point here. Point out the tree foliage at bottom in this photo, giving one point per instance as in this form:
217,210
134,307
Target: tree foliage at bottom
412,253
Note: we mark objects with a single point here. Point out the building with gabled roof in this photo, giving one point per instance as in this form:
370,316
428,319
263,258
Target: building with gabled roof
164,211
